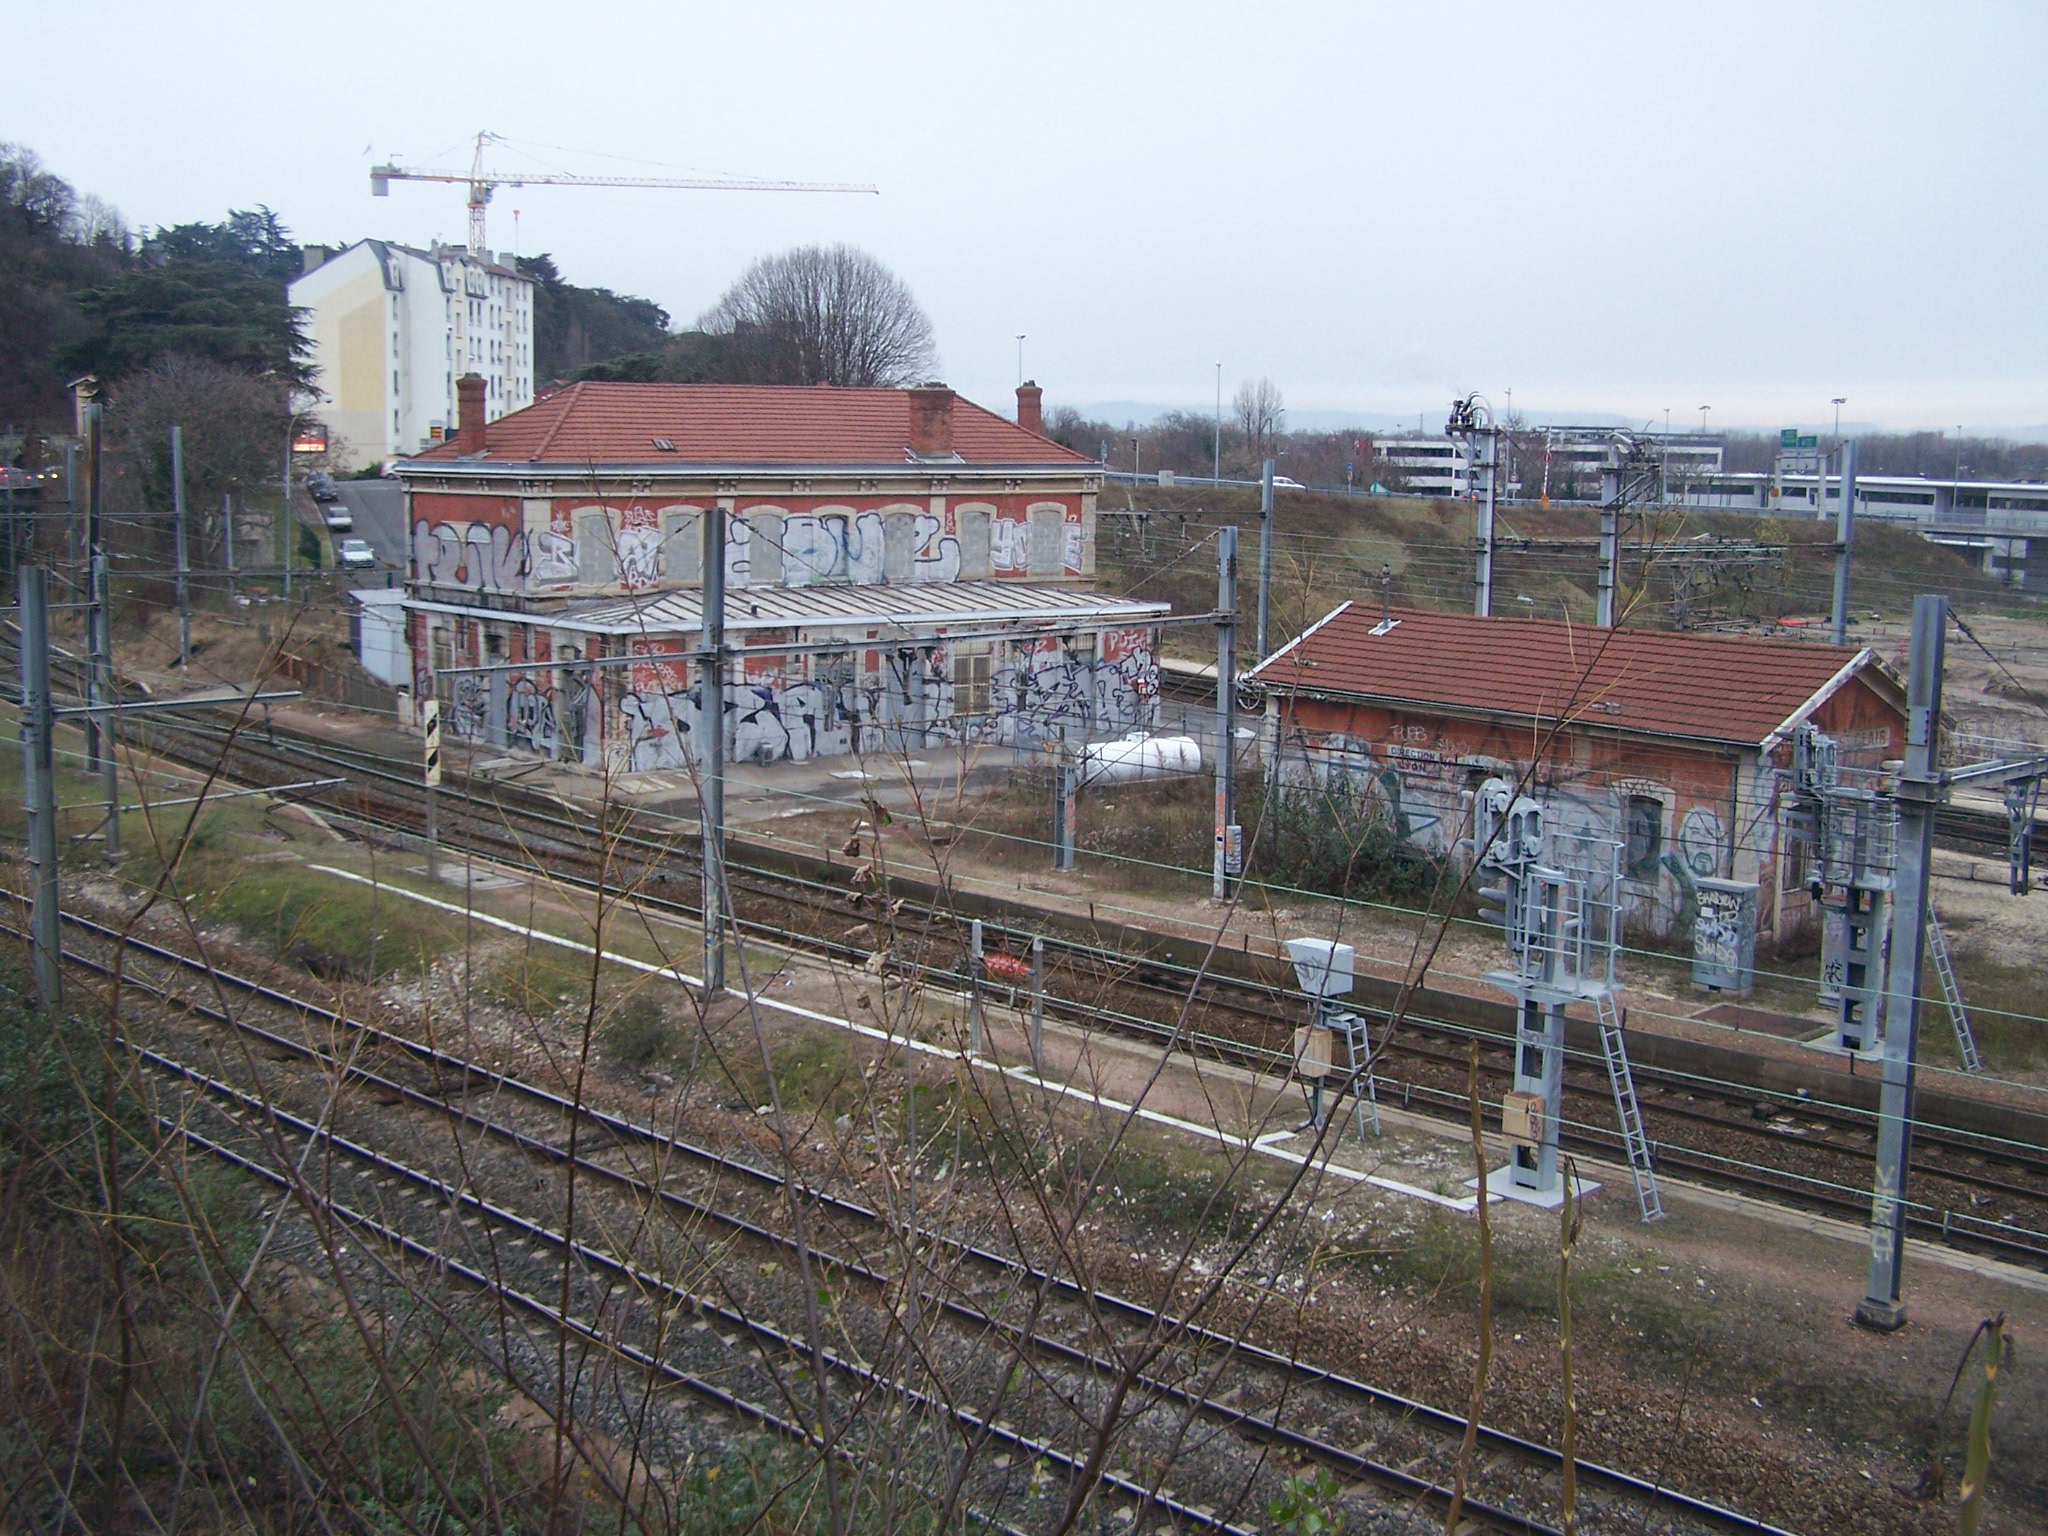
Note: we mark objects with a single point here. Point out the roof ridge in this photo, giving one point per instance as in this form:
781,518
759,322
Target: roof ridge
569,398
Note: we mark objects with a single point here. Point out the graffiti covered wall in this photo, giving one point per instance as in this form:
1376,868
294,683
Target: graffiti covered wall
1667,809
592,545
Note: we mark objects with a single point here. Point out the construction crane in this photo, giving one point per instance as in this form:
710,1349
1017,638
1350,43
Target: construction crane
483,183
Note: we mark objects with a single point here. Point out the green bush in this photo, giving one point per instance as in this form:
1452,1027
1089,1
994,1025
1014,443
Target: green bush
1339,844
638,1034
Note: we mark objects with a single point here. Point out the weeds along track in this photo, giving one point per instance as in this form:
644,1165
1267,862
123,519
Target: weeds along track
1793,1146
706,1290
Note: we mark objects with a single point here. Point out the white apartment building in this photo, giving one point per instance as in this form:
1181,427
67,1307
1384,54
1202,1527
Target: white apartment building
394,327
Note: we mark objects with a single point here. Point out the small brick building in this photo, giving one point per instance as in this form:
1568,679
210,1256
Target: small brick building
1676,746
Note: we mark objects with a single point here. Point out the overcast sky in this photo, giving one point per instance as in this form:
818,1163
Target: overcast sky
1603,208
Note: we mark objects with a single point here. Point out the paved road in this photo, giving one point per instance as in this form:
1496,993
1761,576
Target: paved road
378,507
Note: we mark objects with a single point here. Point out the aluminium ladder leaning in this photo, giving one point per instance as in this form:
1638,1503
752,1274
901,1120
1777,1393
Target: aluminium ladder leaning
1952,994
1633,1140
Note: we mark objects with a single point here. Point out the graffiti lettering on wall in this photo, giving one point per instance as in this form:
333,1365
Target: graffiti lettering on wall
530,715
935,542
1700,840
1009,542
554,549
821,547
483,557
638,540
1127,681
473,542
660,707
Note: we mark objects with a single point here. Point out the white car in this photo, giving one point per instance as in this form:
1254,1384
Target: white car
355,555
337,518
1287,483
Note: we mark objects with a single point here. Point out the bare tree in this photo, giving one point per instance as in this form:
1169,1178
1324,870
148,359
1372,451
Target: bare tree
234,426
828,315
1260,415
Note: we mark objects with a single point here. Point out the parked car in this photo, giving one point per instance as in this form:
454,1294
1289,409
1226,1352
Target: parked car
1287,483
338,518
355,555
320,486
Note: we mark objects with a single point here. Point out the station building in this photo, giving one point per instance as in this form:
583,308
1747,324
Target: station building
903,568
1674,746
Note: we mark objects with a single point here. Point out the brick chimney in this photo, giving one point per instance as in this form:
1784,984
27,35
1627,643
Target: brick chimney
931,421
469,416
1030,407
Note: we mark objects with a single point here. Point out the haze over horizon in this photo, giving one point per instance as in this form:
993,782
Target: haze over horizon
1607,210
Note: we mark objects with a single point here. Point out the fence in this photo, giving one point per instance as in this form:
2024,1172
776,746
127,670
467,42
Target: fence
348,685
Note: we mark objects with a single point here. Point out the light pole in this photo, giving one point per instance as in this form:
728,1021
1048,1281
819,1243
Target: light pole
1703,419
1020,359
1959,455
1664,464
1838,401
1216,470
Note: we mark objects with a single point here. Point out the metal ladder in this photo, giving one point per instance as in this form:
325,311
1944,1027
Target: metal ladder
1629,1112
1952,994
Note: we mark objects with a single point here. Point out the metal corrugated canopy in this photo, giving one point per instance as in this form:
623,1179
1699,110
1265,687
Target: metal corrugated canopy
915,606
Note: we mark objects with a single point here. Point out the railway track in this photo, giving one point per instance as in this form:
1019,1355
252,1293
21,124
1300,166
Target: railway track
1971,1190
1270,1388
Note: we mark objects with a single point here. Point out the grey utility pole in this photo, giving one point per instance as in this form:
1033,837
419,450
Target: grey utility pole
294,432
711,731
1265,550
1920,791
99,735
38,762
110,767
1845,528
184,561
92,593
227,540
1065,786
1482,579
1229,836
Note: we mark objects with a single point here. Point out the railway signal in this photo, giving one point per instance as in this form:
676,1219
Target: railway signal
430,735
1562,922
430,727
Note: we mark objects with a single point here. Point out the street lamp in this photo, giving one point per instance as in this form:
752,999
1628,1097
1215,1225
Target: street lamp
1838,401
1959,454
1020,359
1703,419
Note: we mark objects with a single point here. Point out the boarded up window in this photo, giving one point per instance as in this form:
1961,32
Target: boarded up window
764,549
682,547
1645,836
1046,524
597,563
899,538
973,544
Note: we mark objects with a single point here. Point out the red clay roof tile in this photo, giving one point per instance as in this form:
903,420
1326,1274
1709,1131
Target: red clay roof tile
613,423
1726,688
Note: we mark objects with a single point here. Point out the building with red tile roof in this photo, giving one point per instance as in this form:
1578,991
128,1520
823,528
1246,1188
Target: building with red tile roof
1673,745
556,540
